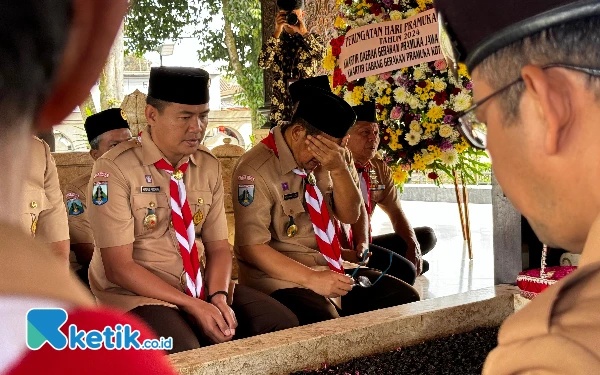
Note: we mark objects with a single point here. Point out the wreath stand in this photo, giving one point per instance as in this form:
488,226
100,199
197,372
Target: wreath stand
462,199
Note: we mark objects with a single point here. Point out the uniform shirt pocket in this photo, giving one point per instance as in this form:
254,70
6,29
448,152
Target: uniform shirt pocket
144,205
34,203
200,204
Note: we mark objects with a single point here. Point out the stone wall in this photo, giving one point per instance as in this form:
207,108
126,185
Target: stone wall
73,164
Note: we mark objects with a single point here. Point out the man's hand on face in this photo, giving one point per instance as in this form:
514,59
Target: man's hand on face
329,154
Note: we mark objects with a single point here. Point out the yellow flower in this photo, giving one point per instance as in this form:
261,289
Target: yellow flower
431,95
428,159
435,113
424,97
329,60
461,147
337,90
462,71
439,85
384,100
388,91
419,165
395,15
429,86
404,70
399,176
360,13
422,4
372,79
418,90
382,115
358,94
339,23
445,131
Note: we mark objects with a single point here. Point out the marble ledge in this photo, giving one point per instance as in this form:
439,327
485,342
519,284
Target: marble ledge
341,339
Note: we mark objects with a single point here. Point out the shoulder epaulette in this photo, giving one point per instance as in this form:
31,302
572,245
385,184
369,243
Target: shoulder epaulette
119,149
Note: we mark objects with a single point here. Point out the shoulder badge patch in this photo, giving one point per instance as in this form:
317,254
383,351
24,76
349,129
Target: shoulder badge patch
74,206
245,195
100,193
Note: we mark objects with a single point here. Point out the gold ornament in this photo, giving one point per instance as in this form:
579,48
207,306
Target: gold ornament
178,175
33,204
150,220
198,216
311,179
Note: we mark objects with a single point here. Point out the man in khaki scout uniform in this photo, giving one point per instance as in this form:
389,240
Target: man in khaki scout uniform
378,189
40,88
104,131
156,207
289,189
536,75
43,210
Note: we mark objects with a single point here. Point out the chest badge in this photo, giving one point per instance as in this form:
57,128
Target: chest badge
178,175
150,219
292,228
198,217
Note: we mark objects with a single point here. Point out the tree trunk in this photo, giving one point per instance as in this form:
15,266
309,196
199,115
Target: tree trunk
87,108
234,58
111,79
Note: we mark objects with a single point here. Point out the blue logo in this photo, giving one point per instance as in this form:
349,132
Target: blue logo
43,326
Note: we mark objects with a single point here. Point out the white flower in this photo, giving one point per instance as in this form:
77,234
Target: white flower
418,74
462,101
361,22
439,85
410,13
348,98
416,127
395,15
414,102
450,157
413,138
445,131
401,95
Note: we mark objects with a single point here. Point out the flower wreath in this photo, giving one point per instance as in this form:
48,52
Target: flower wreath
415,105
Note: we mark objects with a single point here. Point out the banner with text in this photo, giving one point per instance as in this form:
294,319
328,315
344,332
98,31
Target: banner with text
391,45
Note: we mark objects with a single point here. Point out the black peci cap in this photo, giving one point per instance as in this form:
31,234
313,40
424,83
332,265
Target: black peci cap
179,85
366,112
321,82
289,5
102,122
325,111
479,28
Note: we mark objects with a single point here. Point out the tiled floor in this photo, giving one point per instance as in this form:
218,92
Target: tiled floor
451,271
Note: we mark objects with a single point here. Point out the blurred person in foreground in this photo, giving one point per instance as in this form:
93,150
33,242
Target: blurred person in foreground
53,52
536,75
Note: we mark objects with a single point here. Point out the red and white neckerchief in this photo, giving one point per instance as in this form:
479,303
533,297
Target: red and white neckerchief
181,214
325,230
365,185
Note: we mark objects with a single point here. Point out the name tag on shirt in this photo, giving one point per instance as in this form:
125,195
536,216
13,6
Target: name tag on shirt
150,189
377,187
290,196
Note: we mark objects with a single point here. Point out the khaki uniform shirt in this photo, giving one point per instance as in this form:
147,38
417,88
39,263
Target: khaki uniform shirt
269,192
383,191
44,215
27,271
130,187
557,333
80,229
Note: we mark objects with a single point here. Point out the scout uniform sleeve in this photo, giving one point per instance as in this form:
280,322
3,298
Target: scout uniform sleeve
390,200
215,225
316,48
109,206
52,223
80,229
251,206
267,55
